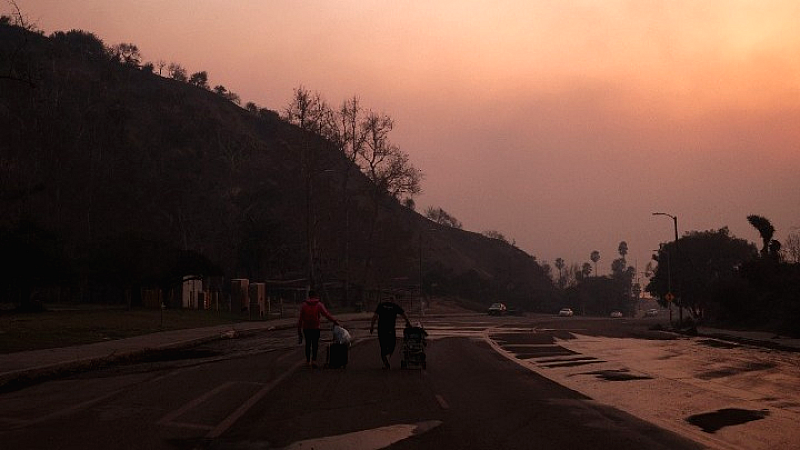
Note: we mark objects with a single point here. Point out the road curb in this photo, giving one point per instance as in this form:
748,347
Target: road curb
17,379
21,378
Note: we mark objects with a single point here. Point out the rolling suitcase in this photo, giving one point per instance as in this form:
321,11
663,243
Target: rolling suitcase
337,356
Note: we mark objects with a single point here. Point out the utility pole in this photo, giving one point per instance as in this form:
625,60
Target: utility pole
669,288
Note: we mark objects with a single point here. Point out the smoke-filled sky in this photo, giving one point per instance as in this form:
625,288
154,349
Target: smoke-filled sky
561,124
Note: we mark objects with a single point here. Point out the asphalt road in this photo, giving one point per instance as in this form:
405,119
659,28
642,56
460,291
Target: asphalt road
254,392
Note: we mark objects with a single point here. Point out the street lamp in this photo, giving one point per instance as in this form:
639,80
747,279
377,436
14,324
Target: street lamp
669,290
674,221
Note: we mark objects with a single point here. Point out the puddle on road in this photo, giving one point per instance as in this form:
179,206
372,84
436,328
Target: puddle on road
714,421
730,371
584,362
617,375
373,439
540,353
546,350
521,338
566,360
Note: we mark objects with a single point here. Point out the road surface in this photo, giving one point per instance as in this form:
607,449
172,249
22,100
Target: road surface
488,384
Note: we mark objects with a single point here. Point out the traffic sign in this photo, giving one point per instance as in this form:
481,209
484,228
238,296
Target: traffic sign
669,297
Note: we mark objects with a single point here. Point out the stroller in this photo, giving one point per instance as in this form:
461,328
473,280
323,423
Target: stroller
414,343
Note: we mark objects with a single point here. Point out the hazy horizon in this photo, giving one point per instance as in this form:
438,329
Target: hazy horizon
562,125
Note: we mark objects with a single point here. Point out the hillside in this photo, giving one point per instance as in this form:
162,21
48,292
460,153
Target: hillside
113,178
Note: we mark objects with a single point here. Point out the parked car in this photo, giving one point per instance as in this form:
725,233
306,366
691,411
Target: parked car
651,313
497,309
565,312
616,314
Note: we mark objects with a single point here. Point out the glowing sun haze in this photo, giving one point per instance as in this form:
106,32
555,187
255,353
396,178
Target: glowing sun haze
561,124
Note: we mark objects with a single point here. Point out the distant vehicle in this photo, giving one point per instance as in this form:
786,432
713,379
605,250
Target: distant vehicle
616,314
497,309
565,312
651,313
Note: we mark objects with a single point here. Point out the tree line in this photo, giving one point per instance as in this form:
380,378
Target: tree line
710,276
719,278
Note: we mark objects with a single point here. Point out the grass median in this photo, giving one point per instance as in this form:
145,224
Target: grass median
66,327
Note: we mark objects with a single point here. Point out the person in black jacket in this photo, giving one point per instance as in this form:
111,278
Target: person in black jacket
386,315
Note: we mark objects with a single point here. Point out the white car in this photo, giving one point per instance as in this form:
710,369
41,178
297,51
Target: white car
565,312
616,314
651,313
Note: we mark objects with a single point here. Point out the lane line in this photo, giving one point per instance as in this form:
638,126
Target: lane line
26,423
236,415
194,403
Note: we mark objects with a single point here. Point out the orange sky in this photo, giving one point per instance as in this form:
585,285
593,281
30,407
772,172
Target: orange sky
561,124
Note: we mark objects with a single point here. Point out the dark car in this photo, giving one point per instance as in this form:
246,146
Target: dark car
497,309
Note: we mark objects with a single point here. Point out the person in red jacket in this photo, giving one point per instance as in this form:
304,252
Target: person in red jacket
308,325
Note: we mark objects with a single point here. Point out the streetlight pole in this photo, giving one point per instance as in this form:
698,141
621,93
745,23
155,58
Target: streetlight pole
675,224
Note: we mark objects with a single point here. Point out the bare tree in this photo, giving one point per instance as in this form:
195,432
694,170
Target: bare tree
177,72
301,107
389,168
351,134
348,136
560,266
442,217
572,275
792,248
18,20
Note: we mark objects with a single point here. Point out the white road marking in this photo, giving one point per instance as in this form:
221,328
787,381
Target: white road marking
64,412
169,418
236,415
374,439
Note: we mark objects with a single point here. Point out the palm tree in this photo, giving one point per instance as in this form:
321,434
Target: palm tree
765,229
623,249
595,256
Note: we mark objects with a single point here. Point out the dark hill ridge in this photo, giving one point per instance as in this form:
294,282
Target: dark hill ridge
121,179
